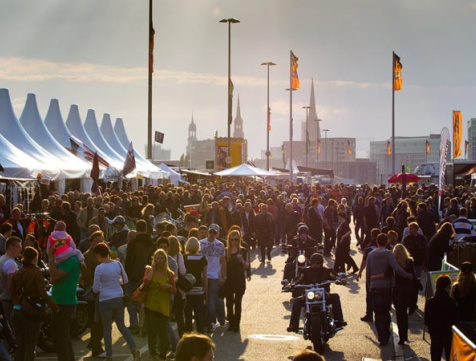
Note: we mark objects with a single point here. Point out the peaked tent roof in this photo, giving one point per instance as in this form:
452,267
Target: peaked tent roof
34,126
144,167
55,124
245,170
14,132
124,140
175,177
75,126
18,164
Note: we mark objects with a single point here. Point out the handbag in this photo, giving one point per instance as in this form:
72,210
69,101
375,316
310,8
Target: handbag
34,308
186,282
138,297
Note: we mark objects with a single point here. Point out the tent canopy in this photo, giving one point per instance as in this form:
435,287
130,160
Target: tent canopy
245,170
175,177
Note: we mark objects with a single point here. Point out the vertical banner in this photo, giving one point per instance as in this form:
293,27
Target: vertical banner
457,133
389,148
269,119
466,146
294,74
427,147
397,73
349,148
462,349
130,162
444,139
319,146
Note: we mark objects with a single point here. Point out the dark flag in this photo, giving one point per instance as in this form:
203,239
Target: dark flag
95,169
1,168
130,163
159,137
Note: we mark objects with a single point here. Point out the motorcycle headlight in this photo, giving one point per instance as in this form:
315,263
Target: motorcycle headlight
310,296
301,258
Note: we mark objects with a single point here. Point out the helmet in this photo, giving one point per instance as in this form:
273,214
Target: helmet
317,258
303,229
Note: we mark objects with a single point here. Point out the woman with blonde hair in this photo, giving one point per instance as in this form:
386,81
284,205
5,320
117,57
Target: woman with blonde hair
197,265
464,293
236,264
402,291
160,281
175,251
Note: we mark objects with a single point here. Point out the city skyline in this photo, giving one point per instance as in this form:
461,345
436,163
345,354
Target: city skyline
95,55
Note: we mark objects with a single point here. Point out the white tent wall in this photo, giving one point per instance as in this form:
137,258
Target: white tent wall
13,131
85,185
31,121
60,186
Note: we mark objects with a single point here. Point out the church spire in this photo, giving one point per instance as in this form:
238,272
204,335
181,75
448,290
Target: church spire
313,118
238,131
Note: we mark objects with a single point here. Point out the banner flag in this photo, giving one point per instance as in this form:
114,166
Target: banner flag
269,119
319,146
294,74
95,169
427,147
397,73
80,149
466,146
130,162
159,137
462,348
457,133
349,149
284,155
389,148
308,142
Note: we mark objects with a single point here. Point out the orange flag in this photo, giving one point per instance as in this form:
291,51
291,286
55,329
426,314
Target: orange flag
349,149
389,148
294,74
427,147
151,48
319,146
397,73
457,133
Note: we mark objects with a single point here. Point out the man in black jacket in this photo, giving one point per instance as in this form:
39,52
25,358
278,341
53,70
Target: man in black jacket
137,257
440,315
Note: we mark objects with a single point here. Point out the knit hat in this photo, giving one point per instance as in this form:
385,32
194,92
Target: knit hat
60,226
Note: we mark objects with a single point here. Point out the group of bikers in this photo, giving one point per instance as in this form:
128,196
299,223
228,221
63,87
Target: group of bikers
119,240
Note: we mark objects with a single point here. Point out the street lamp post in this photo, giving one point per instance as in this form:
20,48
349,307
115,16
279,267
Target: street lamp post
229,21
307,132
317,141
325,131
268,114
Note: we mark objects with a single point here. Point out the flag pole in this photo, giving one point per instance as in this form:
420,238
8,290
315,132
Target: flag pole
149,99
290,117
393,113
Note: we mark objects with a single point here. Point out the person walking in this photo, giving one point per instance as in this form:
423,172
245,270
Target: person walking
343,246
197,265
109,276
464,293
264,225
28,282
160,281
236,264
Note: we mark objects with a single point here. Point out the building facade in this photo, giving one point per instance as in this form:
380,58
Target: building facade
471,140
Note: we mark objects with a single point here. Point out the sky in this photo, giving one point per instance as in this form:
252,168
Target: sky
95,54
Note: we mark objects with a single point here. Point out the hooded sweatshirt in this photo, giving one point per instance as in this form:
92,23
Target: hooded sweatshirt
64,247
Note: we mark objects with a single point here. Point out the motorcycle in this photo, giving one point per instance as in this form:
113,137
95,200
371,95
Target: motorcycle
79,324
319,323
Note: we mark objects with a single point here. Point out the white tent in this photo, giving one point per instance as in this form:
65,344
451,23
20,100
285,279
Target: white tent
144,167
18,164
175,177
33,124
245,170
75,126
13,131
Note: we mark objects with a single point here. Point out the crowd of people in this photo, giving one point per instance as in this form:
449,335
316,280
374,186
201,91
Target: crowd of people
164,236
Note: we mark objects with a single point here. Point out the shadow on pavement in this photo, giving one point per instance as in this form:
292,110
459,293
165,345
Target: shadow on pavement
264,270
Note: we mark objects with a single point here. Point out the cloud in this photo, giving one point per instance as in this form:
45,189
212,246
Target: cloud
39,70
473,5
280,108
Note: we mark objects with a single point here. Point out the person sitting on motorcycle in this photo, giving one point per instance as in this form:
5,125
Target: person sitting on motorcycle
302,241
316,273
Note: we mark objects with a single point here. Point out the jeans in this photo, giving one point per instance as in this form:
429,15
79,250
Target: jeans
212,301
359,232
132,308
438,344
401,301
113,310
26,331
157,326
194,305
61,323
4,355
382,301
178,309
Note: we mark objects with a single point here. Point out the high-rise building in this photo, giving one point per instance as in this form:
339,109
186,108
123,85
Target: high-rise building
471,139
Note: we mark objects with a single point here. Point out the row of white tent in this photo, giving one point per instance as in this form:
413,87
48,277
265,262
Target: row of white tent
30,145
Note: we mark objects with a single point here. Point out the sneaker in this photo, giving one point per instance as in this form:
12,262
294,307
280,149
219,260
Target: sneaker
285,282
214,326
292,329
341,323
341,274
136,355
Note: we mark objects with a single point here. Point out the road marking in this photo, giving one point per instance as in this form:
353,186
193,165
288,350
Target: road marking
275,337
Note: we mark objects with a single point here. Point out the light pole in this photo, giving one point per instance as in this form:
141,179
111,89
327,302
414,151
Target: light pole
268,114
325,131
307,132
229,120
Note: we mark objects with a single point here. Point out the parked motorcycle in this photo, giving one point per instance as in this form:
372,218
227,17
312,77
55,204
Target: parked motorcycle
319,323
79,324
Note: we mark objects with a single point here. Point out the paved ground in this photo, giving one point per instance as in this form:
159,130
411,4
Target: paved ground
266,315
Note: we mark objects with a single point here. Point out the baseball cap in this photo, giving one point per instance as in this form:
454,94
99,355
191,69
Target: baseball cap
214,227
118,219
